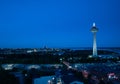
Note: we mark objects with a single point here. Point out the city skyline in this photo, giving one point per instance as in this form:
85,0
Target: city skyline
64,23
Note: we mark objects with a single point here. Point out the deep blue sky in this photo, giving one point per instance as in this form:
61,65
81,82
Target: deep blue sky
58,23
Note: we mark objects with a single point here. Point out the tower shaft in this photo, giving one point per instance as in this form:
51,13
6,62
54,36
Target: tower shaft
94,45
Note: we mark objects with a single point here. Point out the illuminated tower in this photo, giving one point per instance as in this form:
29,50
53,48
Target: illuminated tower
94,31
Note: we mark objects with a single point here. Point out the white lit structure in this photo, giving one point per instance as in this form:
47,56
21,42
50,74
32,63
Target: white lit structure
7,66
94,30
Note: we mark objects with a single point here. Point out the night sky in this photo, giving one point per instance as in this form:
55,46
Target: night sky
58,23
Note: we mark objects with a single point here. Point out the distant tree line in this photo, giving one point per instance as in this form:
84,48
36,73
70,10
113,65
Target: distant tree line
73,56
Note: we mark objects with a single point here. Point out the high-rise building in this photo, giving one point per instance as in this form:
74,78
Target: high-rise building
94,30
